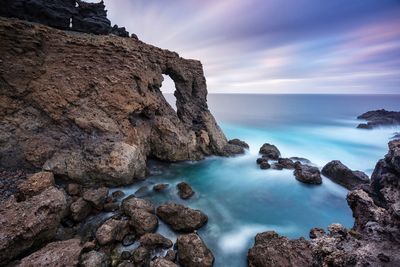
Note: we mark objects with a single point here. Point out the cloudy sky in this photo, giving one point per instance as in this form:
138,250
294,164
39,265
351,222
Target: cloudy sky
276,46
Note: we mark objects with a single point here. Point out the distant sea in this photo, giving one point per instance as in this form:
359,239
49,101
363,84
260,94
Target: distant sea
241,200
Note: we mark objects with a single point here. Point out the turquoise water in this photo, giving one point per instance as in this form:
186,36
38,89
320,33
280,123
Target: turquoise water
242,200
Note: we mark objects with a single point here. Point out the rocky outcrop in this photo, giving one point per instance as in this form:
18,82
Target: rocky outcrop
57,254
192,252
90,108
28,224
181,218
307,174
270,151
374,239
341,174
378,118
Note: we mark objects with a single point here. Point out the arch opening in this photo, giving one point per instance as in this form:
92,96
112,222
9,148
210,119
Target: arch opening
167,89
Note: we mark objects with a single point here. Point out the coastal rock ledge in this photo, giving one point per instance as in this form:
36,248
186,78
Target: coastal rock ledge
89,108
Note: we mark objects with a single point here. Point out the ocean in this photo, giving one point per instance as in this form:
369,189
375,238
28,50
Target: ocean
242,200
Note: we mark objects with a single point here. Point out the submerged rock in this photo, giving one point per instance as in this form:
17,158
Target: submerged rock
181,218
307,174
341,174
185,190
264,165
192,252
270,151
378,118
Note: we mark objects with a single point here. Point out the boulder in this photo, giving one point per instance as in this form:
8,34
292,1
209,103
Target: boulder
80,209
270,151
270,249
307,174
239,143
185,190
286,163
192,252
57,254
96,197
171,255
94,259
341,174
160,187
160,262
28,224
316,232
155,240
36,183
141,257
132,203
378,118
181,218
112,230
143,221
265,165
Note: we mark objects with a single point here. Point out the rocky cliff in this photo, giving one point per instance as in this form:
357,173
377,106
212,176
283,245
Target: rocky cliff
90,108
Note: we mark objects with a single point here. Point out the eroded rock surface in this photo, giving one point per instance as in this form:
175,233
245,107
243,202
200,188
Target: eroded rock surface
192,252
341,174
90,108
378,118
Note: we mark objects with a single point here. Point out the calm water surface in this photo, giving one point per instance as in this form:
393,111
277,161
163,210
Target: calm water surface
242,200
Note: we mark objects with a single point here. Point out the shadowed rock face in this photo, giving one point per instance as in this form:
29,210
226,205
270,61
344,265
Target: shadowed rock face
90,107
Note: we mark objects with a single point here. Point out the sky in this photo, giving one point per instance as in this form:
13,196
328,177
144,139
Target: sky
276,46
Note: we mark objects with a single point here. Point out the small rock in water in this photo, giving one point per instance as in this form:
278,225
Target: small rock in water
160,187
307,174
265,165
118,194
155,240
260,160
341,174
316,232
270,151
80,209
185,190
239,142
286,163
125,255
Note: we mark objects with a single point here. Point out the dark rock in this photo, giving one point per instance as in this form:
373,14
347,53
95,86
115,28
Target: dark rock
35,184
111,207
160,262
91,18
9,181
57,254
270,249
119,31
181,218
94,259
341,174
265,165
112,230
232,149
270,151
73,189
96,197
301,160
132,203
134,36
261,160
171,255
316,232
185,190
143,221
286,163
192,252
80,209
27,224
307,174
155,240
378,118
141,257
239,142
160,187
125,255
118,194
128,240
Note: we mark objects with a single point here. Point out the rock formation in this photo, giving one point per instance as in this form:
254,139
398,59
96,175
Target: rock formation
341,174
90,108
378,118
374,239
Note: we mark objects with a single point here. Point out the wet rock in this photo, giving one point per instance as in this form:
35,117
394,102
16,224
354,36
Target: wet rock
30,223
73,189
396,136
94,259
270,249
57,254
286,163
185,190
160,262
126,263
36,183
261,160
80,209
307,174
232,149
118,194
96,197
265,165
141,257
171,255
378,118
125,255
112,230
239,143
270,151
181,218
192,252
341,174
128,240
155,240
108,207
301,160
132,203
160,187
143,221
316,232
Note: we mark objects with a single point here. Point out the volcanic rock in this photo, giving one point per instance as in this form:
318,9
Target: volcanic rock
155,240
80,209
96,197
141,257
239,143
307,174
132,203
270,151
341,174
378,118
36,183
143,221
112,230
94,259
192,252
185,190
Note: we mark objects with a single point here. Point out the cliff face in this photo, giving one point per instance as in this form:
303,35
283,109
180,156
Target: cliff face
90,107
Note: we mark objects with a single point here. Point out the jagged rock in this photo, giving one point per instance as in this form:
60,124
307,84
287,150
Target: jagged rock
185,190
270,151
80,209
91,18
160,187
94,259
160,262
155,240
270,249
119,31
378,118
143,221
96,197
192,252
57,254
181,218
27,224
112,230
118,194
141,257
36,183
316,232
239,143
307,174
83,86
341,174
132,203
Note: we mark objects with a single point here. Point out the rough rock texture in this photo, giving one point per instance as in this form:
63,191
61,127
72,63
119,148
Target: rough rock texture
270,151
341,174
94,259
160,262
378,118
185,190
96,197
307,174
35,184
270,249
181,218
57,254
141,257
80,209
192,252
9,181
155,240
132,203
112,230
90,108
143,221
27,224
239,143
